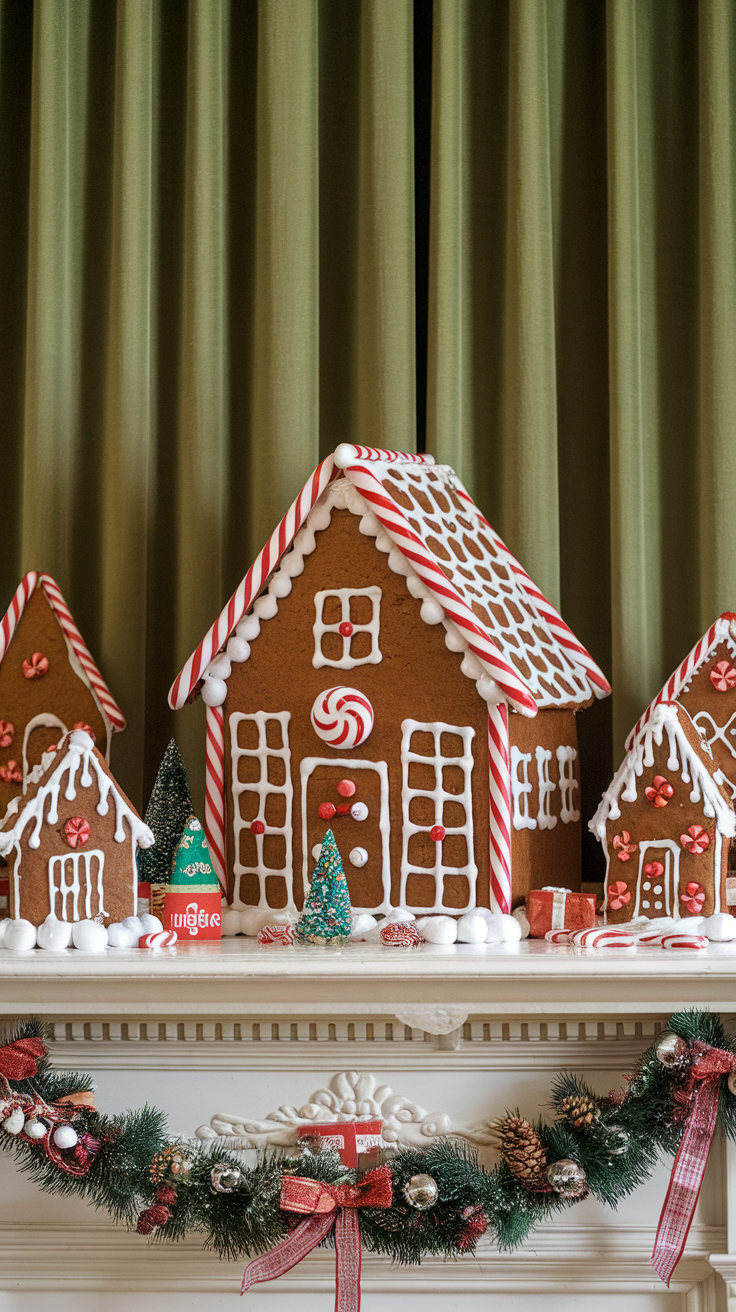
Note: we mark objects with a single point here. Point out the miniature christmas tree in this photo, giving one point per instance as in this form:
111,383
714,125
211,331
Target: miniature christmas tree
327,914
191,866
193,895
169,808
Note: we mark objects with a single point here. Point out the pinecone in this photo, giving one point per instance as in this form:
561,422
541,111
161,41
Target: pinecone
580,1110
521,1149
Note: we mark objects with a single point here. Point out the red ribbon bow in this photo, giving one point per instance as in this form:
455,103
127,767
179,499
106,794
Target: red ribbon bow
19,1060
700,1091
325,1205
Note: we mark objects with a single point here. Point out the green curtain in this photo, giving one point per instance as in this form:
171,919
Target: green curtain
234,233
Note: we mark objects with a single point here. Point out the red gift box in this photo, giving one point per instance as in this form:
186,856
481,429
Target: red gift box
193,915
558,908
350,1138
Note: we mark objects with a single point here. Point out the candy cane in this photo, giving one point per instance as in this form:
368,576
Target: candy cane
214,796
26,586
500,808
723,626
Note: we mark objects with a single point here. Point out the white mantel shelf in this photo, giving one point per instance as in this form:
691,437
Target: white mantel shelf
238,977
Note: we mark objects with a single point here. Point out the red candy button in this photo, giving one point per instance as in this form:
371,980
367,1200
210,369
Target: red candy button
437,833
257,827
345,788
77,831
325,810
343,808
36,666
346,628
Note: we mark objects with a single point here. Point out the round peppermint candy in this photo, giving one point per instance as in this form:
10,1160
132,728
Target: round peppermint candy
342,717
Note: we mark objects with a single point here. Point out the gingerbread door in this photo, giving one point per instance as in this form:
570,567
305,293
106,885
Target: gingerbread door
658,881
350,798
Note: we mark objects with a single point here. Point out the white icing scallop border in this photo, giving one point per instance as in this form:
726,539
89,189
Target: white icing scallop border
339,495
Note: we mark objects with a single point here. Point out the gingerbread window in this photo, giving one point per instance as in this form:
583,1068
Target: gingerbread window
80,885
437,811
346,628
262,801
568,784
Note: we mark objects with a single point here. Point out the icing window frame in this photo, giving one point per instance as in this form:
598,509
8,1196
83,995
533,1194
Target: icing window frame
319,628
263,788
439,796
566,756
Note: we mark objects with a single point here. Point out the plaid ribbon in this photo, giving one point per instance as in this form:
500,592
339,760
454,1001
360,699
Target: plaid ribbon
324,1205
701,1091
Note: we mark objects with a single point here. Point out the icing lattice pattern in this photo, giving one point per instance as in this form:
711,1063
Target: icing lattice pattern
488,578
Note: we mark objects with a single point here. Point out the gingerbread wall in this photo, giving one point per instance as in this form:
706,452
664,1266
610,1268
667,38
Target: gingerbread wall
544,856
58,691
417,678
711,703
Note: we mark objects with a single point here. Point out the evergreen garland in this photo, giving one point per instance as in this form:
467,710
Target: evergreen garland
139,1172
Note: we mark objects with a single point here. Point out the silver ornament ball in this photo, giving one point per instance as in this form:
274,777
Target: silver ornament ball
421,1192
225,1178
65,1136
567,1178
672,1051
618,1141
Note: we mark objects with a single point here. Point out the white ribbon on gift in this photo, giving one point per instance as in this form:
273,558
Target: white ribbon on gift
558,905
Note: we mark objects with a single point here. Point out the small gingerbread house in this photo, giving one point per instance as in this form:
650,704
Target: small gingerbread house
446,763
71,841
705,684
666,823
49,683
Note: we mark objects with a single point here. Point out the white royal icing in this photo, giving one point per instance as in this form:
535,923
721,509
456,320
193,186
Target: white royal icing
438,796
263,788
344,595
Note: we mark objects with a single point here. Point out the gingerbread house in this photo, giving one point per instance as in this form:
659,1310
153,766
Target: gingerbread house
387,669
705,684
71,841
49,683
666,823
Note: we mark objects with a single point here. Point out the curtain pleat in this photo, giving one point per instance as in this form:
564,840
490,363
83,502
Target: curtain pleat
214,263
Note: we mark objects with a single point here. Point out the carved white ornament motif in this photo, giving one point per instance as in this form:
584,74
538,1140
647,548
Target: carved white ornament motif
351,1096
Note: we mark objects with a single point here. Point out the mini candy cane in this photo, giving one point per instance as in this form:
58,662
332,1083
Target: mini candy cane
603,937
559,935
283,935
163,938
693,941
401,936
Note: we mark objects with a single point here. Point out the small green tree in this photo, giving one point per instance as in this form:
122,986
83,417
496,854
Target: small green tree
327,914
170,806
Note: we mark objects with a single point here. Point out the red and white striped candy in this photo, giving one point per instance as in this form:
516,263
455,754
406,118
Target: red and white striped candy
559,936
162,938
283,935
603,936
693,941
403,935
342,717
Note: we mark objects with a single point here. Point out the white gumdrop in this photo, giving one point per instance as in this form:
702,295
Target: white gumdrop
280,585
345,454
358,857
120,935
399,916
150,924
472,928
431,611
20,936
438,929
54,935
503,929
220,667
230,923
720,928
453,641
88,936
362,924
520,915
238,649
266,607
293,564
249,628
133,923
214,691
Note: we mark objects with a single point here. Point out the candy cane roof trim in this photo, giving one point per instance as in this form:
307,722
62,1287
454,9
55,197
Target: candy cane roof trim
692,764
397,489
724,630
79,655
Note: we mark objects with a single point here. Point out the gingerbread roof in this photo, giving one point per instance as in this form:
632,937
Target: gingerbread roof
79,655
724,630
77,762
687,755
516,645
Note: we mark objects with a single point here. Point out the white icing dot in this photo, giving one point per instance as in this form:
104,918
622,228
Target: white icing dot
220,667
359,811
292,565
453,641
416,587
657,906
238,649
280,585
431,612
658,888
266,607
358,857
317,851
645,904
249,628
646,886
214,692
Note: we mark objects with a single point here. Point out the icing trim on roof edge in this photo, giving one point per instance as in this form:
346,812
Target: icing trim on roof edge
723,628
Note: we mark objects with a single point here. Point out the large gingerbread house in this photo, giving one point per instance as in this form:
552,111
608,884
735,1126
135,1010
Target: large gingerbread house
666,823
705,684
49,683
71,841
446,762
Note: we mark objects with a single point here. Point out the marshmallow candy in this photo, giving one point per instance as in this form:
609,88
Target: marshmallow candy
472,928
438,929
20,936
54,935
720,928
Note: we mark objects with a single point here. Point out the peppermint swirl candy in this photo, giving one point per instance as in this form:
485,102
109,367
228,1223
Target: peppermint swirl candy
163,938
342,717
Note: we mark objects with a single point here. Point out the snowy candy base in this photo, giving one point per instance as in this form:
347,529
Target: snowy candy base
20,936
438,929
720,928
54,935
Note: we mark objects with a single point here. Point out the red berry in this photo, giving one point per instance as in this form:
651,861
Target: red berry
325,810
346,788
437,833
346,628
257,827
